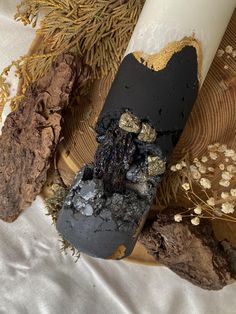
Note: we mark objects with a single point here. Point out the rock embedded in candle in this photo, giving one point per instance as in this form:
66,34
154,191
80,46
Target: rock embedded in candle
130,123
147,133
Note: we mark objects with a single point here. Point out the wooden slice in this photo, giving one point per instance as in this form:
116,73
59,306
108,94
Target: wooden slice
213,120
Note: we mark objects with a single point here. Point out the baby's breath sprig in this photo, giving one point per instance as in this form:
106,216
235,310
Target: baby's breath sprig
208,201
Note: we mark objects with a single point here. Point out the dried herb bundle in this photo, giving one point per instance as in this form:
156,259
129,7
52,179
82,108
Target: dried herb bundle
98,31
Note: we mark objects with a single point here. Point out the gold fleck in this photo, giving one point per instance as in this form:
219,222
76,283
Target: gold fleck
158,61
119,252
156,166
130,123
147,133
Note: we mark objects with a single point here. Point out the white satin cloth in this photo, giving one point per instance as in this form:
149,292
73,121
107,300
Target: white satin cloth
36,278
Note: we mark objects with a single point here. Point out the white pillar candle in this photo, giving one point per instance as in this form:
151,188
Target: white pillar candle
164,21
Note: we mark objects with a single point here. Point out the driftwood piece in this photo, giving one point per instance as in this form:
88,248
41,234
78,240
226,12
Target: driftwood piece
30,136
190,251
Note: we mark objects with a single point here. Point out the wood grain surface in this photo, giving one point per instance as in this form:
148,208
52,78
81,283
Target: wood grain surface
213,119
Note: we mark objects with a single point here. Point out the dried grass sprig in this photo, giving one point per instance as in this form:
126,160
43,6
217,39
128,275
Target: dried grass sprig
98,31
54,204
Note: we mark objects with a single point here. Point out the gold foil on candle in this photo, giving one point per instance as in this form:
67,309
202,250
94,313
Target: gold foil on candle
130,123
158,61
147,133
156,166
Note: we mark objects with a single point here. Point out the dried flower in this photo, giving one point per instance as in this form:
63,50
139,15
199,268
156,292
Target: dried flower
186,186
226,175
229,153
178,166
213,155
222,166
211,201
205,183
222,148
178,218
173,168
233,192
204,159
224,183
229,49
195,221
224,195
202,169
197,210
195,173
198,164
220,53
227,208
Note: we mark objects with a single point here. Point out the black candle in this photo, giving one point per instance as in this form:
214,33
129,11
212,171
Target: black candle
142,119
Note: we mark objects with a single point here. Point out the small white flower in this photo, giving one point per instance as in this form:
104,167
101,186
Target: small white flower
196,175
227,159
178,166
195,221
231,168
222,166
224,183
173,168
224,195
178,218
220,53
202,169
195,160
229,153
222,148
213,147
213,155
227,208
186,186
198,210
233,157
211,169
211,201
205,183
198,164
226,176
233,192
229,49
204,159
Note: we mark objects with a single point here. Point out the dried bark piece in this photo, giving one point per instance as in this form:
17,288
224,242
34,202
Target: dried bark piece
190,251
30,136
